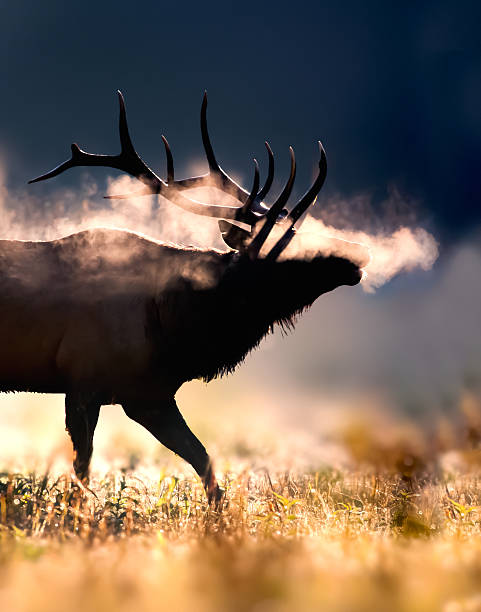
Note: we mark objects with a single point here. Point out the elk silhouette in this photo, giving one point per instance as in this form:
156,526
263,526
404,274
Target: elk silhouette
109,316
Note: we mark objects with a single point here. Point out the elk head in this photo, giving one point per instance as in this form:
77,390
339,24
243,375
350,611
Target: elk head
247,227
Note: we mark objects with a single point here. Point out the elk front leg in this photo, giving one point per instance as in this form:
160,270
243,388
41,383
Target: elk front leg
81,416
168,426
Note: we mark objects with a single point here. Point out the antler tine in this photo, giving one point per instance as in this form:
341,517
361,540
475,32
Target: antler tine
70,163
308,198
170,161
243,211
270,173
256,205
274,211
250,204
234,236
214,168
208,148
128,160
126,145
253,193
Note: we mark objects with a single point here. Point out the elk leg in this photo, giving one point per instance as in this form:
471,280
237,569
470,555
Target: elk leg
81,416
168,426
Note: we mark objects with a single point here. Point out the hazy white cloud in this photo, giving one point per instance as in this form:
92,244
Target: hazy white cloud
400,250
394,246
415,346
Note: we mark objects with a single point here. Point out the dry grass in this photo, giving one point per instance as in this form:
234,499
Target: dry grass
328,540
396,529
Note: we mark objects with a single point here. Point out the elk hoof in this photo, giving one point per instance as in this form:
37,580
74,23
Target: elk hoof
82,473
216,497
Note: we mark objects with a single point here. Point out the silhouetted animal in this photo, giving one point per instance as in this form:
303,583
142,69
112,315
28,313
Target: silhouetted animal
107,316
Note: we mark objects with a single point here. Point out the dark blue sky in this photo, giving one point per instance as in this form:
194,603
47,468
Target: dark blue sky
392,89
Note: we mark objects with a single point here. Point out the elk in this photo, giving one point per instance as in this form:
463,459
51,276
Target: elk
109,316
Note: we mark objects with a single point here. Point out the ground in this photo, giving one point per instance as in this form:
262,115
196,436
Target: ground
393,524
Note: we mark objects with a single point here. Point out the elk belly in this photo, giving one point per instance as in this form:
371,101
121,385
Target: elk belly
104,346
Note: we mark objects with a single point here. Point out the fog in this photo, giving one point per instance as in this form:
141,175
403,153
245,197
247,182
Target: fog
412,347
395,242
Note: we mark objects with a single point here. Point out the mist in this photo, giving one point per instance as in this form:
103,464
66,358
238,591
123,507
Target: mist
413,348
394,246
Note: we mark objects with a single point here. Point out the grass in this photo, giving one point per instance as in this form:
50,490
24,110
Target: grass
397,528
326,540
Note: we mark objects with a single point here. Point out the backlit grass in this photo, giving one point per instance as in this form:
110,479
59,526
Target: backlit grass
335,540
396,528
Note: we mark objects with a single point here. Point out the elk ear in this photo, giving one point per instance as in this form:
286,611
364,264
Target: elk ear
234,236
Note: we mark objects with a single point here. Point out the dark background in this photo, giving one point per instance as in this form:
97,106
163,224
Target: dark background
392,89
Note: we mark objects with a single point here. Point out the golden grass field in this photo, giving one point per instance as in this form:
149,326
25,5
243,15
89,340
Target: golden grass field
395,525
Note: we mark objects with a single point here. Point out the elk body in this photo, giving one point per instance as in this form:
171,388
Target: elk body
108,316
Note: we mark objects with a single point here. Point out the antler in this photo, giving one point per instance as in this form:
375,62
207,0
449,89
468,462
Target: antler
275,215
130,162
252,210
301,207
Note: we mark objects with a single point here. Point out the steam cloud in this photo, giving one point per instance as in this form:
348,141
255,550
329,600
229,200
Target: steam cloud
411,351
25,216
401,250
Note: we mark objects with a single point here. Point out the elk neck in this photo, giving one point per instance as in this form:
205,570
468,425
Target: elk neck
219,321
